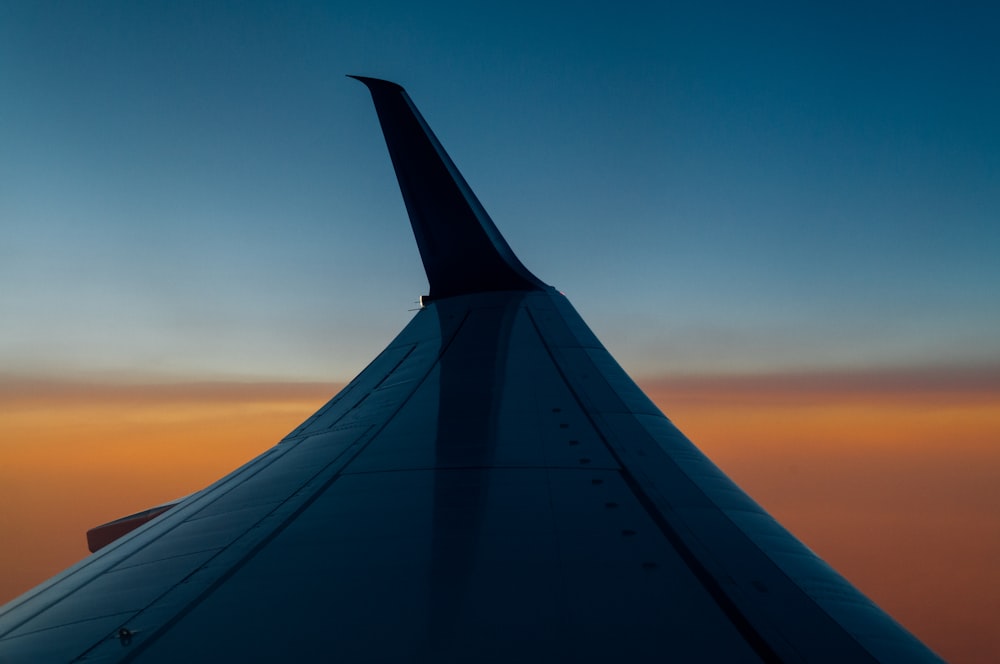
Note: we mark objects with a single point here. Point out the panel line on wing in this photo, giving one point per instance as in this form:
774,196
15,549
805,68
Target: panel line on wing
711,585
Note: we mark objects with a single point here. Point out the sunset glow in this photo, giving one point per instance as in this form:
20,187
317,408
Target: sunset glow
73,456
893,478
896,487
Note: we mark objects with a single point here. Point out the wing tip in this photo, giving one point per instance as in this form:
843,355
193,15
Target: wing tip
376,83
461,248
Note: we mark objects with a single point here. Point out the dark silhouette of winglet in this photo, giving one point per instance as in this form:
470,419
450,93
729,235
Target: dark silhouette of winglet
461,248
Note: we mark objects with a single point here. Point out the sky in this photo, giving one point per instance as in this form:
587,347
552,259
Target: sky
782,209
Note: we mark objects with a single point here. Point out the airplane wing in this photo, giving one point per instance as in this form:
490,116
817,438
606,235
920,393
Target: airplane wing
492,487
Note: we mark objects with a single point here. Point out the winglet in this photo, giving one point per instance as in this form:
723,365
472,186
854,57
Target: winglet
462,250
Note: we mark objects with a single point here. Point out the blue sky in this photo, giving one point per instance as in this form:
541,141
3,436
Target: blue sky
197,192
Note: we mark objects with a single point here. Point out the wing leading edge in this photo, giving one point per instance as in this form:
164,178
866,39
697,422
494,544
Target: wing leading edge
492,486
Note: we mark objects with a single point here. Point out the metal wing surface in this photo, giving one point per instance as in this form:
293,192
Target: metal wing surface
492,487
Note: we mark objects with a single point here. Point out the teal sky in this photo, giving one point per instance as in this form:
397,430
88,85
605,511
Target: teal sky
194,191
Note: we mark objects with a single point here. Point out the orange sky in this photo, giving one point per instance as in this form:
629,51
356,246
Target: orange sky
892,477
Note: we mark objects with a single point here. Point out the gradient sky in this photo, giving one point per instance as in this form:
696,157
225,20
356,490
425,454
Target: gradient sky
195,188
193,192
